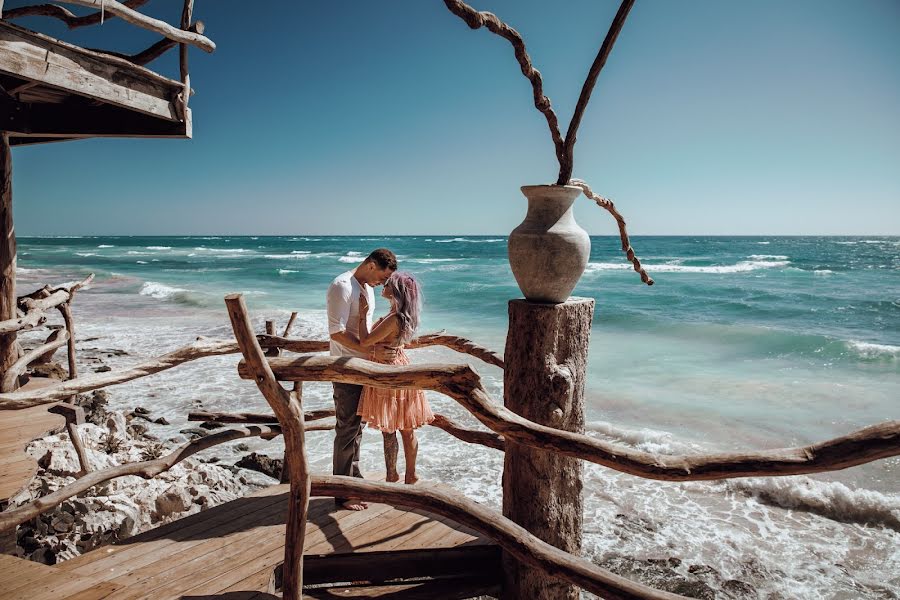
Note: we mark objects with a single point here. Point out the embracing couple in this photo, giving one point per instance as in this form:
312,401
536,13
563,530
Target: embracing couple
351,306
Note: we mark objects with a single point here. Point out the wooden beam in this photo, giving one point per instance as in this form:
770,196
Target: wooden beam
145,22
71,20
78,119
8,300
96,76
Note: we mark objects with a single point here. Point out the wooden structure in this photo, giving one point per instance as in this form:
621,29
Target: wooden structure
51,90
232,551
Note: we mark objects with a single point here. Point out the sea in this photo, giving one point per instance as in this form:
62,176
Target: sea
743,343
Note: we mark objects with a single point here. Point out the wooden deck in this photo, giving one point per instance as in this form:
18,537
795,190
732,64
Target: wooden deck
17,428
231,551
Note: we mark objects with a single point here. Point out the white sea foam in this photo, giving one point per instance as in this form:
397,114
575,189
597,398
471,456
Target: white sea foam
301,251
159,247
460,239
763,243
106,246
354,253
427,261
349,259
743,266
299,255
830,499
648,440
141,262
286,271
86,254
222,250
846,243
768,256
875,351
160,290
823,272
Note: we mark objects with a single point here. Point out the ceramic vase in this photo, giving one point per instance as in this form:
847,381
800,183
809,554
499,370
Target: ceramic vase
548,251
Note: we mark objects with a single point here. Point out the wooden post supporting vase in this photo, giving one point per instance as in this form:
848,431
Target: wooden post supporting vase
543,380
548,251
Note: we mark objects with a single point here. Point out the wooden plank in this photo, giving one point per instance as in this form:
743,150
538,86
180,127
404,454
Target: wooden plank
445,589
405,564
255,573
17,429
26,580
45,121
27,58
143,549
98,591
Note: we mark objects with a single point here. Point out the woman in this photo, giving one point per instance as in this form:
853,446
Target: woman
401,410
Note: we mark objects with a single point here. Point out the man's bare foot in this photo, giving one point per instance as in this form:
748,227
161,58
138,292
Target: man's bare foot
354,505
410,479
392,477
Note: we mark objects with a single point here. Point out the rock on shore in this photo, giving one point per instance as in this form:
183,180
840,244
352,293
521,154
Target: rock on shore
119,508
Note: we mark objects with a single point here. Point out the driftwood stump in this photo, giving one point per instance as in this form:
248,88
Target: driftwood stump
8,352
546,356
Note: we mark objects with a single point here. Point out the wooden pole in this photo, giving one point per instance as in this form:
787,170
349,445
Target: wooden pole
545,359
8,351
290,415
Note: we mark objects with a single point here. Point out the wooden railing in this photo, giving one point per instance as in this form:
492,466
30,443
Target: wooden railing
458,381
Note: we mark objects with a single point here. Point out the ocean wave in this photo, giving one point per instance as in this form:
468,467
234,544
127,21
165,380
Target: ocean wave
763,243
354,253
460,239
874,351
158,247
222,250
141,262
768,256
106,246
830,499
743,266
349,259
427,261
301,251
286,271
299,255
823,272
160,290
86,254
647,440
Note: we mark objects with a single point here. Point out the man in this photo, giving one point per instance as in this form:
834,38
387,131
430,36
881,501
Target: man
343,327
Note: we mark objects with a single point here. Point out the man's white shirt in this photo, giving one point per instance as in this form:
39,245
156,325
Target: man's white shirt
343,310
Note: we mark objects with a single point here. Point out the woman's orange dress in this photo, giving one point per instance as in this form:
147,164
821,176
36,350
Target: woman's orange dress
392,410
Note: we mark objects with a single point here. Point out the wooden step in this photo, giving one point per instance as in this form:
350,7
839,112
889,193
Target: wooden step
456,588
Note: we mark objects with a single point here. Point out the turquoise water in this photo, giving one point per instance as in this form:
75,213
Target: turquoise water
743,343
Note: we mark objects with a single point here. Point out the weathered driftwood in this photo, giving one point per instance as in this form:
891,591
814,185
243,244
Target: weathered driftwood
146,469
463,384
11,376
154,51
199,349
8,351
66,310
65,15
141,20
309,415
607,204
187,15
546,361
461,345
512,538
288,409
35,304
476,20
567,164
290,323
29,321
473,436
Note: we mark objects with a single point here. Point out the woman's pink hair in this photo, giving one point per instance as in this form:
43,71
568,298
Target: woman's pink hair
408,298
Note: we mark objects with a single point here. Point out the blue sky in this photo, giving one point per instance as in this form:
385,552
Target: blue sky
340,117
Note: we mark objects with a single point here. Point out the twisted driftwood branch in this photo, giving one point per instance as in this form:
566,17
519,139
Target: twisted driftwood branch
568,162
161,27
463,384
309,415
608,205
57,340
65,15
154,51
476,20
288,408
485,438
461,345
37,302
199,349
511,537
146,469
